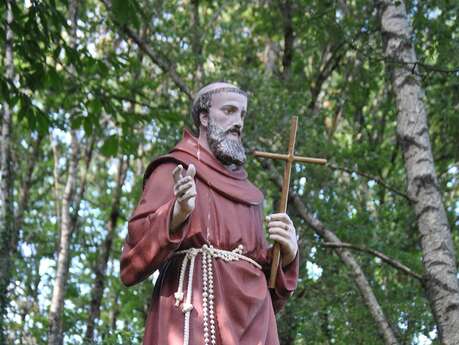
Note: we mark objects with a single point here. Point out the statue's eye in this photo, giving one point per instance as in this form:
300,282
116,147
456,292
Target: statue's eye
229,110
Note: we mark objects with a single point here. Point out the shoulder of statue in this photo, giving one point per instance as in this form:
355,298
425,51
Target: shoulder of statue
155,163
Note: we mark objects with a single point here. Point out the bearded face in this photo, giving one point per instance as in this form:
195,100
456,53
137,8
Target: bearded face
226,144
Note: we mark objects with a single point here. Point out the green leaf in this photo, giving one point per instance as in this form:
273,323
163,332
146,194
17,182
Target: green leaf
76,122
88,125
125,12
110,146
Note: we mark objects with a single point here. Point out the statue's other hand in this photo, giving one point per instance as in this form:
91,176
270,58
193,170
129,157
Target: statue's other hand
282,230
185,189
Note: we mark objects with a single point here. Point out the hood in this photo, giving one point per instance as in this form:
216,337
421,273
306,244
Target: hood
232,184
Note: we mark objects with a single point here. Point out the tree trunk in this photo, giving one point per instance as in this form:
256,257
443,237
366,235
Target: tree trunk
104,253
55,319
57,192
68,226
438,255
346,257
196,43
6,179
115,311
287,25
24,192
57,301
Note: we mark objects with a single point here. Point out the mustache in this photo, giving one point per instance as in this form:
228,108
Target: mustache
234,129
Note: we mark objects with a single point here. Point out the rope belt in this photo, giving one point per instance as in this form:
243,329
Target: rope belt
208,253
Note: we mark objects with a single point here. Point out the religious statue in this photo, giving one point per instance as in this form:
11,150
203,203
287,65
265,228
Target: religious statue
200,223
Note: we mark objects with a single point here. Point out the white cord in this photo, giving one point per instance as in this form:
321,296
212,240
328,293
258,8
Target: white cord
208,310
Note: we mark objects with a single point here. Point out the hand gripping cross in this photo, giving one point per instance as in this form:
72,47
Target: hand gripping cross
289,158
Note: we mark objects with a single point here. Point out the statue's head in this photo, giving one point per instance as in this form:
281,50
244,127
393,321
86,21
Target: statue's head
219,111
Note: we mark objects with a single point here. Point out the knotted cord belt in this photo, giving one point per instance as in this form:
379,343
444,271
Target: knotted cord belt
208,312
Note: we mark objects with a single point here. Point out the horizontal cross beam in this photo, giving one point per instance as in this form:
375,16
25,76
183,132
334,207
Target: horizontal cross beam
292,158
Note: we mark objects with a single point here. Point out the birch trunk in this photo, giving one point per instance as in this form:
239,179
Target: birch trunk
57,301
104,253
438,254
55,336
6,179
57,191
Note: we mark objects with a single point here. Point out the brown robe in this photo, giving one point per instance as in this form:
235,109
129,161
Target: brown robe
228,212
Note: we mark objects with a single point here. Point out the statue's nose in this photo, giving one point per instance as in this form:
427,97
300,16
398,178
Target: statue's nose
238,123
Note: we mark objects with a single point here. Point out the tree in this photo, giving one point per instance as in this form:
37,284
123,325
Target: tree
55,333
6,177
439,258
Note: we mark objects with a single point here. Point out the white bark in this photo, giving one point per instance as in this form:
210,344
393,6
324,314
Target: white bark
438,254
55,336
57,301
6,178
56,181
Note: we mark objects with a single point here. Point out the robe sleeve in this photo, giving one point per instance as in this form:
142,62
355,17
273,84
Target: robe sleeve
286,282
149,243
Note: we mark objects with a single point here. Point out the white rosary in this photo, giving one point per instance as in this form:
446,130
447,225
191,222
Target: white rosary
208,311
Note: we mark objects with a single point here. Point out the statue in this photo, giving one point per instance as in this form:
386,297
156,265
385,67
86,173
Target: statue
200,223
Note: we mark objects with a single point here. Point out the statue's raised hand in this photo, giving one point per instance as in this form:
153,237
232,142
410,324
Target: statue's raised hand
185,193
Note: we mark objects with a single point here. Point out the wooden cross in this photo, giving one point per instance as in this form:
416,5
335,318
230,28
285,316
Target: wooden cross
289,158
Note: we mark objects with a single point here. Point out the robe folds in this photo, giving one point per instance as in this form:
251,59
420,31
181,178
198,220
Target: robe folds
228,213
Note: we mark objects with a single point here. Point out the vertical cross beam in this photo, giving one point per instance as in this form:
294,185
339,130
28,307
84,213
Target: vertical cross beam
289,158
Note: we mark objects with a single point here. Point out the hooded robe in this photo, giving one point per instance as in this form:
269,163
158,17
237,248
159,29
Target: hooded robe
228,213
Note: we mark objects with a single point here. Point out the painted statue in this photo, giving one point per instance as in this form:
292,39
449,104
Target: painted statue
200,223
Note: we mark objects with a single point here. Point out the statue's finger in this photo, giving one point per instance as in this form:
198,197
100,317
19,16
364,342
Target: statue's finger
279,231
279,224
280,216
191,171
280,239
183,188
177,173
188,195
183,180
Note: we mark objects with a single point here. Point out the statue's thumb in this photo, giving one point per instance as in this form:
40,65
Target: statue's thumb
191,171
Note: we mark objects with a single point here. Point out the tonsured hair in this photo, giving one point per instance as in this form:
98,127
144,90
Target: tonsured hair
203,103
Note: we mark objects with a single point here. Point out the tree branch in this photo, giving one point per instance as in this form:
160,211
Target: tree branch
161,62
376,179
411,65
392,262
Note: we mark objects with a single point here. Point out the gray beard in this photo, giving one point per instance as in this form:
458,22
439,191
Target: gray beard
228,151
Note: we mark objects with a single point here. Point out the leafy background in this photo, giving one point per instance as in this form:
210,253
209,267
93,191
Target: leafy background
319,60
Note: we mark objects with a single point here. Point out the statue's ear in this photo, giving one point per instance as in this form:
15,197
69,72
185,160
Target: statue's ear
204,118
